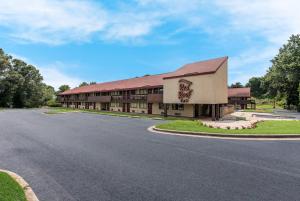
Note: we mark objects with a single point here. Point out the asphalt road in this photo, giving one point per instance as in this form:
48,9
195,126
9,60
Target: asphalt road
91,157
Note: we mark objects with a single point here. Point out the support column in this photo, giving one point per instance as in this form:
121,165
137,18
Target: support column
213,112
165,110
217,111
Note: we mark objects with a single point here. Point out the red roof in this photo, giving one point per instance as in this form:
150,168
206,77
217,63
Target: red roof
239,92
140,82
198,68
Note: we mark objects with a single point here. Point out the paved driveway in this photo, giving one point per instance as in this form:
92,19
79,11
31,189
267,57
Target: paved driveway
90,157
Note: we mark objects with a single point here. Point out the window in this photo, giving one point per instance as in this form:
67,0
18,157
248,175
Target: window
161,106
143,105
133,105
97,94
177,107
115,93
158,91
118,104
142,91
180,107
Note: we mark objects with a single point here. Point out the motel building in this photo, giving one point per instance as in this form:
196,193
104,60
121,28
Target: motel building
195,90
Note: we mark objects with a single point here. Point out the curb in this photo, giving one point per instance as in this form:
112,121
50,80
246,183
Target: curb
226,136
108,114
29,194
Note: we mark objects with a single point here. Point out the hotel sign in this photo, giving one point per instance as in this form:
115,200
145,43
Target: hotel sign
185,91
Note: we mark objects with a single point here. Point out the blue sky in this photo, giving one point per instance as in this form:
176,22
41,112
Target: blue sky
94,40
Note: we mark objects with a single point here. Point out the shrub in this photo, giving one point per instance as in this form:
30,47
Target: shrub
228,127
53,103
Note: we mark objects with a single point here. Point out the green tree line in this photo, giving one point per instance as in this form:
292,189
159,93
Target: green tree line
21,84
282,80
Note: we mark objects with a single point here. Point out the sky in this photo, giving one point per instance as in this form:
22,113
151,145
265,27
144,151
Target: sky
71,41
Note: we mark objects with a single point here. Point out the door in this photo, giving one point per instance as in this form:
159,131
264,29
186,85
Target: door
196,110
149,108
128,107
124,107
86,105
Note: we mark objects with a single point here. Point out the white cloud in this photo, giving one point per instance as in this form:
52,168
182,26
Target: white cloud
62,21
52,22
52,73
250,63
276,20
55,77
252,57
130,25
56,22
273,20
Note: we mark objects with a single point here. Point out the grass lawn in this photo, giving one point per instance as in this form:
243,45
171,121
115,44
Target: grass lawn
263,108
266,127
118,114
10,189
60,110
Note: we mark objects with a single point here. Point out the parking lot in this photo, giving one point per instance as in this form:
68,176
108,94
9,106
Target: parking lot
90,157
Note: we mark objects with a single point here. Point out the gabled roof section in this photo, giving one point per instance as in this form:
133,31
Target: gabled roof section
239,92
140,82
197,68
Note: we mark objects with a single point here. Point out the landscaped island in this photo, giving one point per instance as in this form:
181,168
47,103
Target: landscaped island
265,127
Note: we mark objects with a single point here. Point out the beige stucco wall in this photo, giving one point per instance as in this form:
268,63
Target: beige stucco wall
221,84
207,89
155,109
138,110
98,106
116,109
187,112
82,106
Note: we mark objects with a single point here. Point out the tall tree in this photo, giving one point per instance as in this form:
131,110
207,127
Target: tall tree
283,77
63,88
257,87
236,85
83,84
20,83
48,93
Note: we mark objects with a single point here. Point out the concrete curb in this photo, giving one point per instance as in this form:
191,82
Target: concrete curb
226,136
29,194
